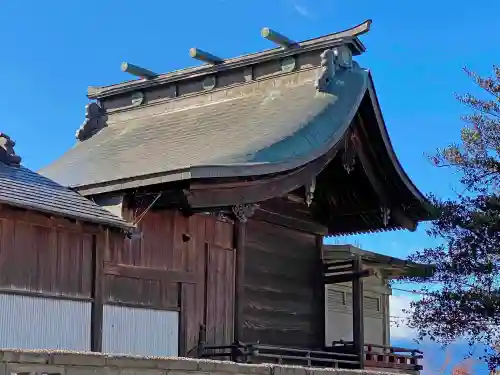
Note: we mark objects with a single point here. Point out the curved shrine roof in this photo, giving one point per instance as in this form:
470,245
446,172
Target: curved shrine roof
257,115
258,129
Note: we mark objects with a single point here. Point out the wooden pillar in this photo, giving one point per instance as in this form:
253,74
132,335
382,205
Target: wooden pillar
183,314
239,279
386,318
357,311
320,290
96,315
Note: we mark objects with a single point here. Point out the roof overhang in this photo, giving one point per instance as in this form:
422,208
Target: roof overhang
390,267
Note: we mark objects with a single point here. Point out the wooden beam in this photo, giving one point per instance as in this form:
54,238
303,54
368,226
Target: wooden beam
241,192
289,222
358,313
320,298
200,55
396,213
333,270
183,317
146,273
335,263
205,285
348,276
96,314
277,38
239,279
403,220
331,264
137,71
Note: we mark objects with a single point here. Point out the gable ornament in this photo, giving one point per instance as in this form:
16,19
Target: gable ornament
333,60
95,120
349,155
243,212
7,153
310,189
386,215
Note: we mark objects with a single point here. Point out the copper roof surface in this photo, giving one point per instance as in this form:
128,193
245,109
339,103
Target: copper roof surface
259,128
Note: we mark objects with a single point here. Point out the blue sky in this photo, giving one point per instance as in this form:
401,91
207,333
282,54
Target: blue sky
52,50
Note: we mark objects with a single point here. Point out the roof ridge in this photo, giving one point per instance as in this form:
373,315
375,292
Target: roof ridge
348,37
233,92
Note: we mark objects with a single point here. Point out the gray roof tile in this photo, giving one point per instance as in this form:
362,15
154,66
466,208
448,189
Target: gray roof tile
24,188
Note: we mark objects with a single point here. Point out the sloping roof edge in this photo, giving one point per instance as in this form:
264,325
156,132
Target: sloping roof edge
407,267
360,76
23,188
262,169
121,224
388,144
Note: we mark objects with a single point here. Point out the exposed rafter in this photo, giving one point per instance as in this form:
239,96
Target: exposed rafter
343,271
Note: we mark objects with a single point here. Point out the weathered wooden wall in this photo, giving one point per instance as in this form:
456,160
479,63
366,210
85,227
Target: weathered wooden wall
179,263
281,287
46,280
43,255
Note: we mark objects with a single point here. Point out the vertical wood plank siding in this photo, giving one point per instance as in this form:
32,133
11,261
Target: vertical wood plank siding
280,287
43,255
173,242
165,267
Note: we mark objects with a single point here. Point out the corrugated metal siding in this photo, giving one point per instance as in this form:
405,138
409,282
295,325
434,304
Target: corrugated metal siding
140,331
44,323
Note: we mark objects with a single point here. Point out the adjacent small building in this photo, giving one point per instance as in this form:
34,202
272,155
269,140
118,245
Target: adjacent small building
376,305
376,290
234,171
52,242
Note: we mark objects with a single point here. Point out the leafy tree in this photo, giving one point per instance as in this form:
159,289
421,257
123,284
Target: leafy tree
467,302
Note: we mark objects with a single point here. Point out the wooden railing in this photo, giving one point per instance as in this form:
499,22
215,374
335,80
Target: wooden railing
386,356
339,355
259,353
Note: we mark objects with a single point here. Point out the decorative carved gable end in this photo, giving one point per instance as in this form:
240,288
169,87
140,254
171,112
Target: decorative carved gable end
333,60
7,154
349,155
328,68
386,215
244,211
95,120
310,189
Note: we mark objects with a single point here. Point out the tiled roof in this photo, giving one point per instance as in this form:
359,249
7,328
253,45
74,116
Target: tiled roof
24,188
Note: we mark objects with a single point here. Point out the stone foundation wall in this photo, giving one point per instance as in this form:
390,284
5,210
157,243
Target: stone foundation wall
15,362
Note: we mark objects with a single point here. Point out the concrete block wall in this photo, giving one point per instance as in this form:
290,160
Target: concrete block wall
17,362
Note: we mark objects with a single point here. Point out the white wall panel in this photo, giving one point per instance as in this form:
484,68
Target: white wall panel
44,323
338,315
140,331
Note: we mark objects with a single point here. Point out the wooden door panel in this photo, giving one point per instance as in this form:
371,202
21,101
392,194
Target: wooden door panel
220,295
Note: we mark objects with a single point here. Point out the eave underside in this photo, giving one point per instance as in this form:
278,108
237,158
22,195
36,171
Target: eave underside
344,202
